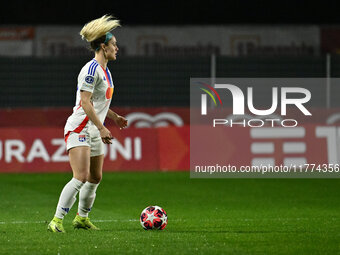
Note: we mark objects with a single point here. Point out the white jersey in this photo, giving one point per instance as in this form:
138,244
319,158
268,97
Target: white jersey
95,79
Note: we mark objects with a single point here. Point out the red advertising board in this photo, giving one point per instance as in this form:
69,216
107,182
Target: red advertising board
159,139
148,149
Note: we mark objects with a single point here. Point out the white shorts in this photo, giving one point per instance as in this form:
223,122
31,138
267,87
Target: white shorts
85,139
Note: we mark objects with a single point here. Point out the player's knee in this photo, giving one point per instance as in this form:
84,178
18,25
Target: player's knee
81,176
83,180
96,178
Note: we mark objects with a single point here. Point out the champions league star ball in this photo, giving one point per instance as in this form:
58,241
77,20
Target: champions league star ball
153,217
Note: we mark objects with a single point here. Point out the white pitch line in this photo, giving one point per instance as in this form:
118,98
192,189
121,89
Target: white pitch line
40,222
177,220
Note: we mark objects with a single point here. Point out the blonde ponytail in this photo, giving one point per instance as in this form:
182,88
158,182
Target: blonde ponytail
98,28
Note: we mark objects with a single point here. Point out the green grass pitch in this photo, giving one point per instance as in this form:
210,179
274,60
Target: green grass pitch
206,216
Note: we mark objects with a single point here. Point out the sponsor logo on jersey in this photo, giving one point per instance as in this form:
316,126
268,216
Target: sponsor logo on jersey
89,79
82,138
104,78
109,92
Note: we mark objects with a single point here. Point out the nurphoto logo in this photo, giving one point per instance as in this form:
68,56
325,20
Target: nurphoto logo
238,107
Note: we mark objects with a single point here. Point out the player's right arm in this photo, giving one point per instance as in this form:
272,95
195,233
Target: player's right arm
85,97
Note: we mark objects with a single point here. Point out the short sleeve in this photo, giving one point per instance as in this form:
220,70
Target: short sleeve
87,80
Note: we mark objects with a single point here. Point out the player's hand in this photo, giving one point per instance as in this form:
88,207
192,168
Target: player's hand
106,135
121,122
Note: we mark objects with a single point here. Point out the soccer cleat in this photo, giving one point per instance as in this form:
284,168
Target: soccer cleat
56,225
83,222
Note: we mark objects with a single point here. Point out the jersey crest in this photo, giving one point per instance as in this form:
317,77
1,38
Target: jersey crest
89,79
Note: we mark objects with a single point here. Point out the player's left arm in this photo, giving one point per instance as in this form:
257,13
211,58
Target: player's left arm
120,121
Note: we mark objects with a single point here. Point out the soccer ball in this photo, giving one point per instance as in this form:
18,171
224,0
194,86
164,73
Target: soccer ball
153,217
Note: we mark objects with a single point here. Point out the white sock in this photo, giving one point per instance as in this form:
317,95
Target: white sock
87,195
68,197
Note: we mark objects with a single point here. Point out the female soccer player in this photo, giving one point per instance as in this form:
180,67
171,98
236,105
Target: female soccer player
84,129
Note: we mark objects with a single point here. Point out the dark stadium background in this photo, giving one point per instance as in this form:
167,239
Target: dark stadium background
172,12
